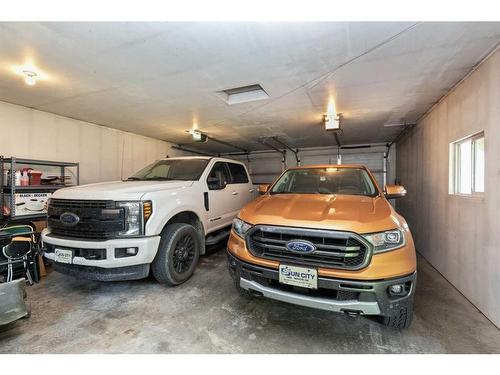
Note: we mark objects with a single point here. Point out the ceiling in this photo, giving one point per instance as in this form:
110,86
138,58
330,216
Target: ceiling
157,79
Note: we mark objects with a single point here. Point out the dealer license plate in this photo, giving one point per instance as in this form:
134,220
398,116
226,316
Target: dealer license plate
298,276
63,256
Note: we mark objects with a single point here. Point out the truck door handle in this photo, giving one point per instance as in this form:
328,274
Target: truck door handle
235,193
251,190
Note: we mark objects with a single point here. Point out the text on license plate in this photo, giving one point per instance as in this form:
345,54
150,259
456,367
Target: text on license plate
63,256
298,276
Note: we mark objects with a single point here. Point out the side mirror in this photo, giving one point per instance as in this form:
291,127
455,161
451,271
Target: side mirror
394,191
215,184
263,188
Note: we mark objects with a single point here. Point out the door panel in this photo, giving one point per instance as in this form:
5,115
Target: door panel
242,188
222,202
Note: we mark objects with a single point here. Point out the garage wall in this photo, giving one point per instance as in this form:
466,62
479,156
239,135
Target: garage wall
104,154
459,235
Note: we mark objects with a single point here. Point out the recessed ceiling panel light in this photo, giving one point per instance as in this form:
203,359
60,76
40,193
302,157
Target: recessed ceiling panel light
243,94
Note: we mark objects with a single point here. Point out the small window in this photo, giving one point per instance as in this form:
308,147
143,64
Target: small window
467,165
238,173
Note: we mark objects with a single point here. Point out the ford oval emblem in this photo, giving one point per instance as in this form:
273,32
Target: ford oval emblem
300,246
69,218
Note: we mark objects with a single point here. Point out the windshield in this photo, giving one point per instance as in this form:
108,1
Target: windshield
172,169
348,181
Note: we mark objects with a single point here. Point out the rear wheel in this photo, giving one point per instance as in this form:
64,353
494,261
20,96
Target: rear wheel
402,319
178,254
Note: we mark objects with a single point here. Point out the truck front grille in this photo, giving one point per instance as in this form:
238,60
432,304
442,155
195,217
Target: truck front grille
98,219
334,249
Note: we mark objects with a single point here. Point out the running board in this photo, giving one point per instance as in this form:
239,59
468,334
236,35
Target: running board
212,240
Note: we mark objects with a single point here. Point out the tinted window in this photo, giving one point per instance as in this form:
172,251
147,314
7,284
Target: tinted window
219,175
172,169
238,173
348,181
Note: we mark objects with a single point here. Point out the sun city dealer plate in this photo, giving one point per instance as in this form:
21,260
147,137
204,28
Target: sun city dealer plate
298,276
63,256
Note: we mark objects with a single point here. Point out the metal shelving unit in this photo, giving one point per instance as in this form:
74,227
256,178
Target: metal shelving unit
9,189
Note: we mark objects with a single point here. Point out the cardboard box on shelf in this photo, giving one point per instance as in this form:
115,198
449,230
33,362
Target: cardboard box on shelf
28,203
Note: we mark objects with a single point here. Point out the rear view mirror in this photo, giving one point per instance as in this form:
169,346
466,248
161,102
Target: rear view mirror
263,188
215,184
394,191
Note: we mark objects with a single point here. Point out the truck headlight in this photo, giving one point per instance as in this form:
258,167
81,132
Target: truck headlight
136,215
386,241
240,227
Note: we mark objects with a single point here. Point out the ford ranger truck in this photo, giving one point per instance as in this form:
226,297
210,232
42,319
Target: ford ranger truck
159,219
326,237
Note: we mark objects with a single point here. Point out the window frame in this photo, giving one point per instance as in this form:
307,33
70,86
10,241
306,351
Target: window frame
228,174
232,179
455,160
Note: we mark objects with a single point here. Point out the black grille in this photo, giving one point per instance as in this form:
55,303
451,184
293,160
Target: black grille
334,249
98,219
78,204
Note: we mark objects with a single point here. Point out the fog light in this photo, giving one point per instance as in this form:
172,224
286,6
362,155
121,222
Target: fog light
131,250
123,252
397,290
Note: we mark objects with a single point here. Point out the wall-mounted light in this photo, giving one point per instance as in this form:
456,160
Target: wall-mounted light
30,77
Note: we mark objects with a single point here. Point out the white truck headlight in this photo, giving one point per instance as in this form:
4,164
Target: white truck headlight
240,227
134,217
386,241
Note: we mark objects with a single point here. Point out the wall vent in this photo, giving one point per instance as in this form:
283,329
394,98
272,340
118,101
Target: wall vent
243,94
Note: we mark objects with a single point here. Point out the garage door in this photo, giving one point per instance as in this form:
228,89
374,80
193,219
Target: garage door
372,158
263,168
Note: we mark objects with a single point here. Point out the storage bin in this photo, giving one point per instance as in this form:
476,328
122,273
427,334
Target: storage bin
35,177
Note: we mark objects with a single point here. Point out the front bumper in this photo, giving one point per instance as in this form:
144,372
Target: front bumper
110,268
333,294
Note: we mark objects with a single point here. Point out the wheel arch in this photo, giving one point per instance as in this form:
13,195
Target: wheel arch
192,218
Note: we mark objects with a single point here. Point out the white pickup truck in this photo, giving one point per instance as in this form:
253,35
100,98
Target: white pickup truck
161,219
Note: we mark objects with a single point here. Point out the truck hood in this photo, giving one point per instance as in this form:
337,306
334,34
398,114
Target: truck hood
119,190
352,213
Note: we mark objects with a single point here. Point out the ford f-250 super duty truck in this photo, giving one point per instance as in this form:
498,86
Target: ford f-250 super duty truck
326,237
161,219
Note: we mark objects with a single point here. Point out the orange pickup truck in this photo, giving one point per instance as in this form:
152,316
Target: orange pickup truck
326,237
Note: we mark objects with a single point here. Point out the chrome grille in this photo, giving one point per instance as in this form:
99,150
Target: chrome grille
334,249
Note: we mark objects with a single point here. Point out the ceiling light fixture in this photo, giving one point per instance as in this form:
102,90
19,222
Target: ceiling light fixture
30,77
332,122
332,119
197,135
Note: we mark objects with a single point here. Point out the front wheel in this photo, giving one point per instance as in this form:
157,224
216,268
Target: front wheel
401,319
178,254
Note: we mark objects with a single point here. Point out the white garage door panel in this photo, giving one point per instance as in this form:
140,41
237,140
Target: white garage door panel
372,159
263,169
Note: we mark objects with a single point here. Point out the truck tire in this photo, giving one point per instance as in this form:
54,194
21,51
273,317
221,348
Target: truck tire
177,255
402,319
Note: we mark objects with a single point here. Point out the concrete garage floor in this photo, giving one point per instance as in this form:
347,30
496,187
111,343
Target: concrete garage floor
206,315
